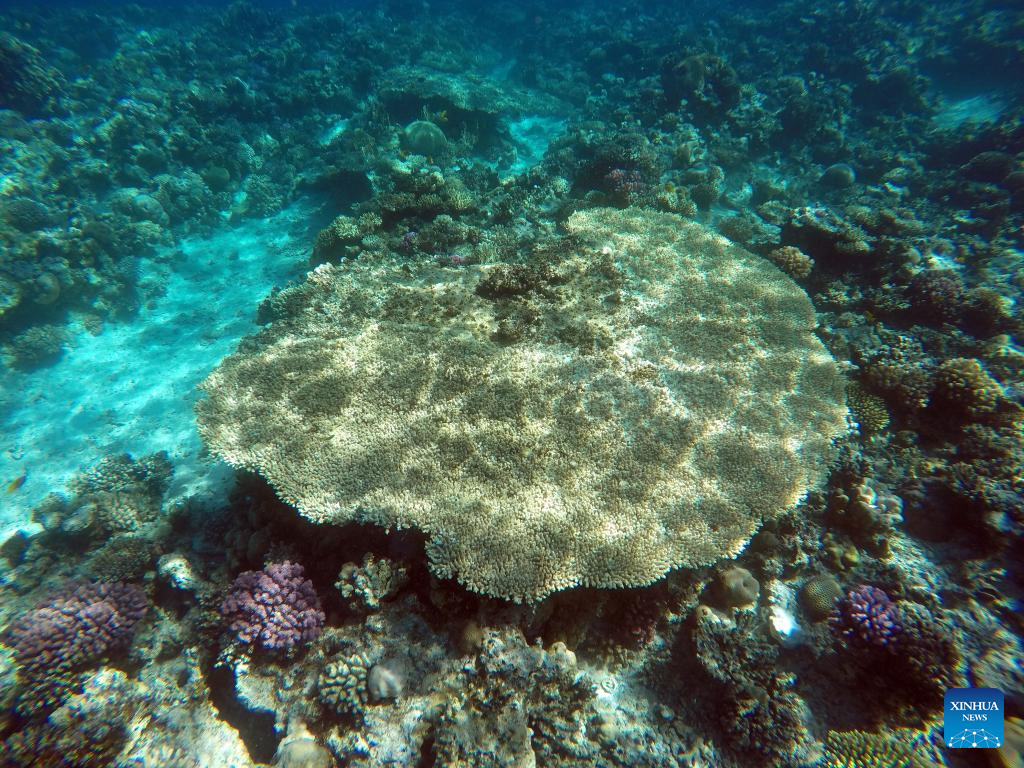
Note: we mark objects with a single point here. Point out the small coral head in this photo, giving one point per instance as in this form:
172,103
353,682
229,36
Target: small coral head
867,618
275,609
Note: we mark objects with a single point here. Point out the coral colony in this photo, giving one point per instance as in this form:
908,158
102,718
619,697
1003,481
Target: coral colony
275,609
867,616
633,385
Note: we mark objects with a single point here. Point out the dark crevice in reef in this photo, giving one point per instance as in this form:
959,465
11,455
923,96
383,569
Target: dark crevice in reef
428,759
255,726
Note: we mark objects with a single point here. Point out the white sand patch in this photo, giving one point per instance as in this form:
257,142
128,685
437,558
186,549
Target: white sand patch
131,388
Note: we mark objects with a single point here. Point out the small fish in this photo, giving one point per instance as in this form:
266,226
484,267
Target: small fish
17,482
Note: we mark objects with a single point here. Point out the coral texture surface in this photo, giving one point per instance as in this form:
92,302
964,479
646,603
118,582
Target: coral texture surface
639,397
275,609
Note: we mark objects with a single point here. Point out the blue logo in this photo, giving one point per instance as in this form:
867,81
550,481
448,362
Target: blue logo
974,718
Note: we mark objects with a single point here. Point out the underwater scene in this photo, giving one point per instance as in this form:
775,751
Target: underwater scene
430,383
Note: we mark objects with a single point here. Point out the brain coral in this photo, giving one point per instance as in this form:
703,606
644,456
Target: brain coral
666,394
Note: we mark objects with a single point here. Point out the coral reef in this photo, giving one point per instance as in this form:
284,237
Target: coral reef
856,749
36,347
26,214
867,616
68,740
365,586
580,471
818,596
1011,754
275,609
750,697
118,495
27,83
706,81
75,628
622,436
520,706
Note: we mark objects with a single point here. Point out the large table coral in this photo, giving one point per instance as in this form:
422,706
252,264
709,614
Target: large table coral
639,397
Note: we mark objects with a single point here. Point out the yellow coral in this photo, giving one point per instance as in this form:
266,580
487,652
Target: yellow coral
858,749
792,261
964,383
818,596
868,410
382,395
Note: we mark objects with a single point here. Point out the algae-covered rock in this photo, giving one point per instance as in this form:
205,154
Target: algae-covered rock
665,395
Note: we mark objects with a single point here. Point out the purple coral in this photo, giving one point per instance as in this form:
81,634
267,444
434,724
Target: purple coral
625,181
939,294
275,609
867,617
76,627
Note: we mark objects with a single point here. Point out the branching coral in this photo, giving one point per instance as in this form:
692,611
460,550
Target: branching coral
669,396
868,410
275,609
72,630
364,587
792,261
857,749
867,617
964,387
342,687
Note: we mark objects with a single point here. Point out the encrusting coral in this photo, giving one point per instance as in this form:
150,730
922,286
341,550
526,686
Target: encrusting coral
668,395
363,587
